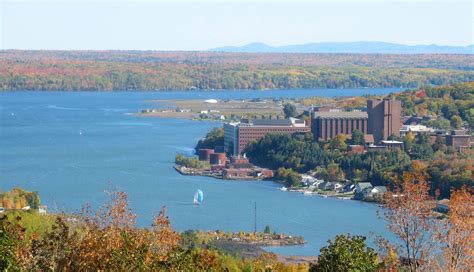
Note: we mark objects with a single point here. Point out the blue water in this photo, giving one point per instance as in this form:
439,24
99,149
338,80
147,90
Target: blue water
71,147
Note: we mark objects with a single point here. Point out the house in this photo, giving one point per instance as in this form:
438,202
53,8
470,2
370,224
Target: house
350,187
372,192
442,205
307,180
42,209
377,191
326,185
359,187
330,186
316,183
369,139
336,186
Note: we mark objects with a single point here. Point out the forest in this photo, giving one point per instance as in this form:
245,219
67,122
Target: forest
156,70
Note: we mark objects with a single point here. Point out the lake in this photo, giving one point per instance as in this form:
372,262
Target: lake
71,147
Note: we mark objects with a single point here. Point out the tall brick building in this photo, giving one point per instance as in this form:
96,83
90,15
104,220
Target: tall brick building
238,135
384,118
325,125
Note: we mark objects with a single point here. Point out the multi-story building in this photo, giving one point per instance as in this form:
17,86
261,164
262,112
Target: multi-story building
382,119
238,135
325,125
458,139
416,129
384,116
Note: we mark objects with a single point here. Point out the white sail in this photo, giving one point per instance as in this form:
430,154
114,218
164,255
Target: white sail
198,197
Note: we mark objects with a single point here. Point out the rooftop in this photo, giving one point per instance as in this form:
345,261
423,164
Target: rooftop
342,114
271,122
391,142
416,128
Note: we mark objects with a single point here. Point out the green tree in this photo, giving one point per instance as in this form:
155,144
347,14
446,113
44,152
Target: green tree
358,137
339,142
456,122
440,123
423,148
267,229
347,253
289,110
214,138
449,110
289,176
335,172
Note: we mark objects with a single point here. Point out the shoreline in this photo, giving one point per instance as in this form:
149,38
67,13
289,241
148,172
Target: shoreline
202,173
304,191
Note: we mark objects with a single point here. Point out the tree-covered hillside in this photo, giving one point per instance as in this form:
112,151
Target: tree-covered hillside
451,105
154,70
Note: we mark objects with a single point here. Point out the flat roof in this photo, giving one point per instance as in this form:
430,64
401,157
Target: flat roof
391,142
342,114
272,122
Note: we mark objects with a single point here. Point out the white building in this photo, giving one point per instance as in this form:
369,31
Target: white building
416,129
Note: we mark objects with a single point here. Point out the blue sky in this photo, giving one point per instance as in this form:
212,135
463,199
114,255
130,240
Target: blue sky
158,25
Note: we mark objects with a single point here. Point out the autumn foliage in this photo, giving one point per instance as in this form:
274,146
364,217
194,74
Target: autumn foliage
109,240
427,241
155,70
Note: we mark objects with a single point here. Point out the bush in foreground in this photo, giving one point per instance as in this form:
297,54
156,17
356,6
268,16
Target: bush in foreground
347,253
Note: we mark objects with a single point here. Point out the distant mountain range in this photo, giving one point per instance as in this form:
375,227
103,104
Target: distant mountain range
349,47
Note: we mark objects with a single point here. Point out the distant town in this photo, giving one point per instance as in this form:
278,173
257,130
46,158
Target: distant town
378,127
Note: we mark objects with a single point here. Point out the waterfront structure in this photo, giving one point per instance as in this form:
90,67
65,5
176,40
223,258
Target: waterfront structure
205,154
217,159
384,118
237,135
240,167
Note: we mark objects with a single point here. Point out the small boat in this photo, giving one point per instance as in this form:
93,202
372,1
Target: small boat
198,197
283,189
308,193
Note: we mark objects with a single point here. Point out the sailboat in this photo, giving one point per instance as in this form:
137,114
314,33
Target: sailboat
198,197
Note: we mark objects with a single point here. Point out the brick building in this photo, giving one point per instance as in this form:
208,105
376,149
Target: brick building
238,135
325,125
384,116
458,139
382,119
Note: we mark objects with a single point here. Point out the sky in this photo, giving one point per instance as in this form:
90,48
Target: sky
185,25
